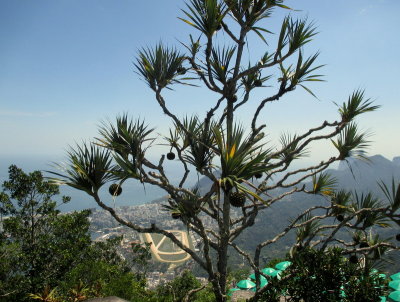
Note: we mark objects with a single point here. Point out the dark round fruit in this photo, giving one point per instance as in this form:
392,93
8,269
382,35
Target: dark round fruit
181,70
398,237
363,245
176,215
115,190
219,26
171,155
258,83
340,217
237,199
258,175
353,259
233,99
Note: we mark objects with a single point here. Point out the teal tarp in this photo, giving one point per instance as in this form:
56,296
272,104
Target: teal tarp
395,296
230,292
245,284
395,276
263,280
283,265
395,285
268,271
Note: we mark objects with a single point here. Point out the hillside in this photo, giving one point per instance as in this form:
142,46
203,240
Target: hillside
364,175
355,175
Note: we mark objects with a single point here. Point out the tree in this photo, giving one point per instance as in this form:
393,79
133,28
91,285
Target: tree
177,289
41,249
101,278
317,275
104,273
34,236
245,170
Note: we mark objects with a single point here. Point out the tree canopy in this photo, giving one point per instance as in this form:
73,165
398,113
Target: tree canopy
46,253
246,170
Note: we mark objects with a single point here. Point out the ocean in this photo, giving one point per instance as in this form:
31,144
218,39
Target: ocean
134,193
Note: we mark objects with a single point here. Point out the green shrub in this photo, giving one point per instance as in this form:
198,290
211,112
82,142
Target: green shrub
326,276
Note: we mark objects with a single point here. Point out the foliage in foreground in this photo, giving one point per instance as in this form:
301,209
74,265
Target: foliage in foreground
47,256
51,255
326,276
179,288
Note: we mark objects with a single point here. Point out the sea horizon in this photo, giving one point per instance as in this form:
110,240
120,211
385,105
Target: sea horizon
134,193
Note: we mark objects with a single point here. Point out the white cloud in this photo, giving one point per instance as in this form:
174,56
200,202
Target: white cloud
362,11
12,113
365,10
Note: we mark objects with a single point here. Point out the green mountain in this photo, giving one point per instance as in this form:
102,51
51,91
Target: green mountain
360,176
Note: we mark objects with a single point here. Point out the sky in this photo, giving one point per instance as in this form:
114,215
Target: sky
67,65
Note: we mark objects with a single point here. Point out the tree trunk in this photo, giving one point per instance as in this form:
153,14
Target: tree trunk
223,248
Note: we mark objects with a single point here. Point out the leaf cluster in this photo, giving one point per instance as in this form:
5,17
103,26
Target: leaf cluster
290,148
255,79
369,218
127,141
219,62
324,184
356,105
308,230
241,158
185,205
294,34
126,137
205,15
392,194
89,168
159,67
341,201
198,142
250,12
351,143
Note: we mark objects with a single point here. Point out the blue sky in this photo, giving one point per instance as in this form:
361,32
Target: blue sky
66,65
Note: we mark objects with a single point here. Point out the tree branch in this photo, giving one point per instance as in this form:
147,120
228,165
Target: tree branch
152,229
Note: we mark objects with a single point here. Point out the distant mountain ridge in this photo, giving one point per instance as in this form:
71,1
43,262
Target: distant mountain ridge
364,176
354,176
